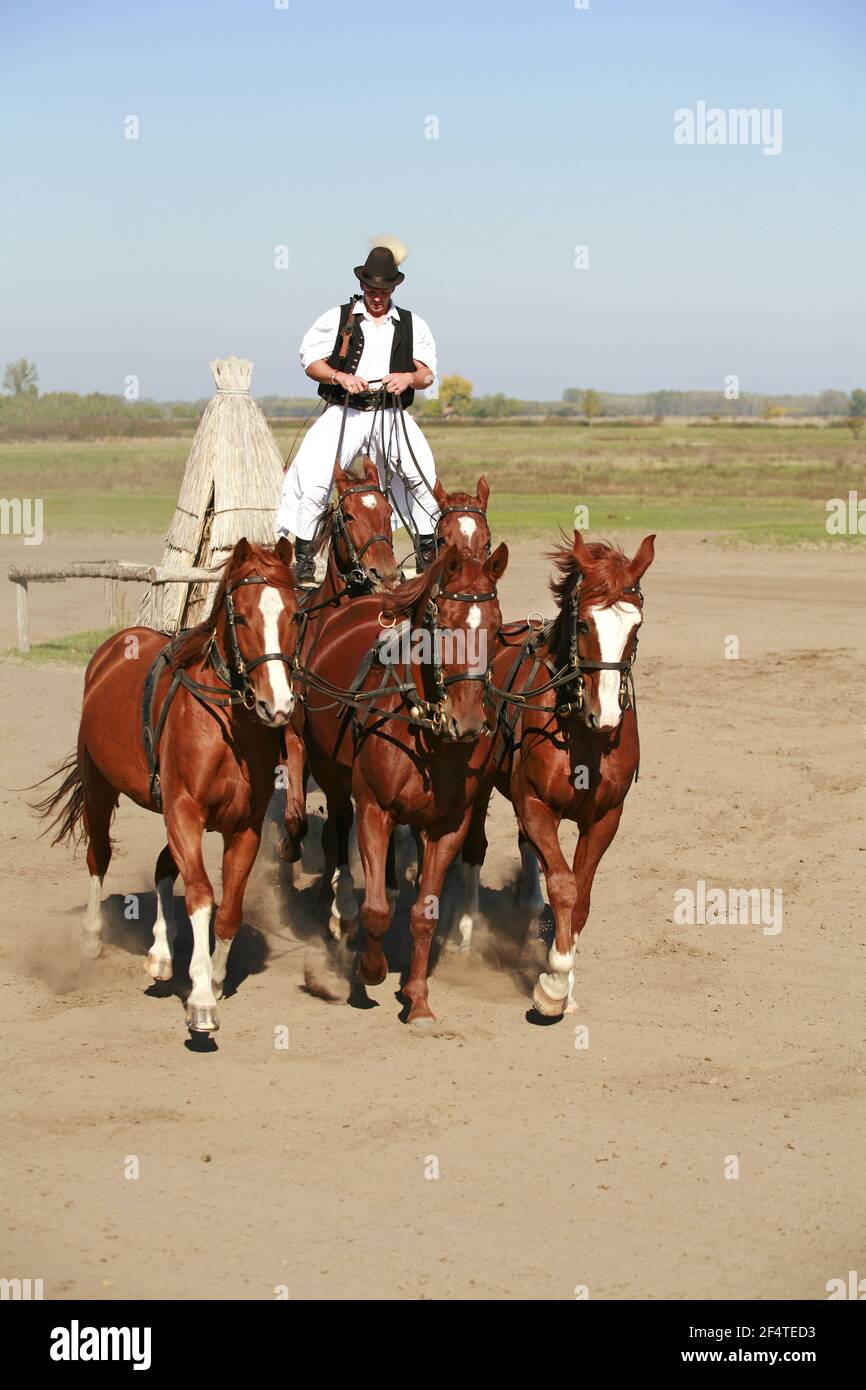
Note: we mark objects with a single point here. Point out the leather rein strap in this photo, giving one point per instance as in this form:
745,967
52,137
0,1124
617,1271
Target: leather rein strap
572,672
236,688
428,714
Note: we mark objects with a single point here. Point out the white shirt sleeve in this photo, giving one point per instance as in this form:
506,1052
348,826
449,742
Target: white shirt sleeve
423,346
318,341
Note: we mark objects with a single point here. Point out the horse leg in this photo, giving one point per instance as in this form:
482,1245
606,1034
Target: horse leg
591,845
159,961
375,827
540,826
100,799
344,907
418,841
185,824
529,892
295,815
239,855
439,854
392,887
474,854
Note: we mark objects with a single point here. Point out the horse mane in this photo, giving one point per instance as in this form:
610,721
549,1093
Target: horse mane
402,601
323,532
190,646
605,582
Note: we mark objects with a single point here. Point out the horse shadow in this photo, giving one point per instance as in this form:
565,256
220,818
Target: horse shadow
509,939
134,934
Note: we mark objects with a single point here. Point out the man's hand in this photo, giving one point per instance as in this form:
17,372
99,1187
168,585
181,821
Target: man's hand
353,384
398,382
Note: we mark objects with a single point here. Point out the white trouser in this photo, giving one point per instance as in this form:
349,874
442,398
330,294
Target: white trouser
307,485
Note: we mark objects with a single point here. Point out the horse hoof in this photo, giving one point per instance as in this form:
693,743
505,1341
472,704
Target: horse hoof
91,950
159,969
202,1018
373,977
422,1023
550,1008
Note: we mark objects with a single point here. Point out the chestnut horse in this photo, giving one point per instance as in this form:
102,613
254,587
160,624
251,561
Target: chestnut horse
357,531
567,746
220,697
405,735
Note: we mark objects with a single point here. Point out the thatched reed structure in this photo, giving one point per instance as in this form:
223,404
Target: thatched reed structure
231,487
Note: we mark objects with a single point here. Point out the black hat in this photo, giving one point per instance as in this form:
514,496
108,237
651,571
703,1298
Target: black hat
380,269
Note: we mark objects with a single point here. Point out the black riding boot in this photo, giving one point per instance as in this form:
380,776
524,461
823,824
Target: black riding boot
426,552
305,563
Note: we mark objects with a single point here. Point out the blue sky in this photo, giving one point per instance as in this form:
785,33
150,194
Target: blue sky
305,127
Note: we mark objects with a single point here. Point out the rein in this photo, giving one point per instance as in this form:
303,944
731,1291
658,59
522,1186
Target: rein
356,575
575,667
426,714
234,673
379,408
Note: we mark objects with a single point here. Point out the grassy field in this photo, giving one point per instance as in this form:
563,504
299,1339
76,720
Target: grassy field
75,650
756,483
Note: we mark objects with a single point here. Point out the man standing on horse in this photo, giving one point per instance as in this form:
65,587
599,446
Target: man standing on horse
369,358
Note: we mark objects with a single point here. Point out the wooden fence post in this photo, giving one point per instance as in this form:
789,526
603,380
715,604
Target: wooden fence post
112,604
23,611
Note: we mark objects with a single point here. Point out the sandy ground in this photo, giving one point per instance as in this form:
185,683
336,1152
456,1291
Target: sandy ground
313,1167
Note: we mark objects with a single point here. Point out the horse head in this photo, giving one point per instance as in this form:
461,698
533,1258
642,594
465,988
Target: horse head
463,519
360,530
254,628
596,632
466,620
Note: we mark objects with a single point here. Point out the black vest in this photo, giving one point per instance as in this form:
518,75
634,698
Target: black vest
402,359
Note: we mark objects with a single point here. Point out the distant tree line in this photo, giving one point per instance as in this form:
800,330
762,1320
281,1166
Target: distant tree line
24,413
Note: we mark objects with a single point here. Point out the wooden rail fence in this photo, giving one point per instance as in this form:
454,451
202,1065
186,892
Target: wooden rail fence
113,572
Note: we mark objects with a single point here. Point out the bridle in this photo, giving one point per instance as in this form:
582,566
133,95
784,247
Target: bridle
432,712
356,575
463,511
572,672
427,714
235,672
577,666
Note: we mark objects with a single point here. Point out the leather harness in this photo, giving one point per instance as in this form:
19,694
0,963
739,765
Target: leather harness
236,687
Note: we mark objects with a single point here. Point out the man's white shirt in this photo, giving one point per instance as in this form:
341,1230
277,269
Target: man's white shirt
375,360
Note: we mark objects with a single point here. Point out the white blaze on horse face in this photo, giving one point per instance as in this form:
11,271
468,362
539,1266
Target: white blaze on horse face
271,606
467,527
473,620
614,626
369,500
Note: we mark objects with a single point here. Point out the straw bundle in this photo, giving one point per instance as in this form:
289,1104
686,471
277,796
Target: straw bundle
231,487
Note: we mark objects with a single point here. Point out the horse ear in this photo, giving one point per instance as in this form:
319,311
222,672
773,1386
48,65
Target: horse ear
283,550
482,492
241,552
643,559
495,565
339,478
439,493
371,472
582,553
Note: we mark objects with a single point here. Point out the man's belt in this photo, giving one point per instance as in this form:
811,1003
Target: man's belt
366,400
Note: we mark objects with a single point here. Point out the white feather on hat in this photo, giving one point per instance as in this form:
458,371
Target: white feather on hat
397,248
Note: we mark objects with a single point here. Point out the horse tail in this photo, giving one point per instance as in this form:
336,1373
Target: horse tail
63,808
